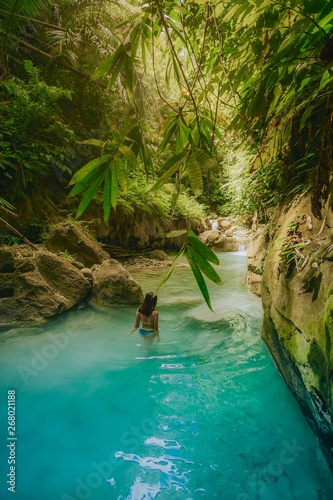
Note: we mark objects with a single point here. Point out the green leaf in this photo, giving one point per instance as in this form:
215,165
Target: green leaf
167,137
93,142
121,174
129,155
92,165
194,173
114,186
110,62
90,193
176,233
200,280
326,78
206,161
204,265
172,267
129,79
84,183
305,116
202,249
135,39
107,194
115,74
169,168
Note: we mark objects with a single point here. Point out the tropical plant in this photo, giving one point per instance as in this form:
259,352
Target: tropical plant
199,257
14,14
34,137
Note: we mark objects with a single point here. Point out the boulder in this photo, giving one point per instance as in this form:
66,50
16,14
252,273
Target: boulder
219,242
209,237
37,285
158,255
224,223
69,237
113,284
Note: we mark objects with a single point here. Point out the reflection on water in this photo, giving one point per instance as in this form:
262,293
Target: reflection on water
202,414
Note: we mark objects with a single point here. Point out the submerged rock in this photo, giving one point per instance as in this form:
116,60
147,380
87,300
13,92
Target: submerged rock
35,285
113,284
68,236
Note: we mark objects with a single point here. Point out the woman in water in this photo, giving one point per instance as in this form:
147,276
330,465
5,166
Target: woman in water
147,315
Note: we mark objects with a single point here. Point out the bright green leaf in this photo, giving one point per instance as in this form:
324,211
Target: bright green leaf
202,249
199,279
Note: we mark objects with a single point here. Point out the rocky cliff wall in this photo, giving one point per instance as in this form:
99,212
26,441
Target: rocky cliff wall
294,258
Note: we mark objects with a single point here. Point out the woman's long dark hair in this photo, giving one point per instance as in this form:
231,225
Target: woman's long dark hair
149,304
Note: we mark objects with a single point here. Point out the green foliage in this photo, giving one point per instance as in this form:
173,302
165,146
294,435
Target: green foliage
5,205
7,239
118,157
199,257
227,100
140,197
12,16
33,136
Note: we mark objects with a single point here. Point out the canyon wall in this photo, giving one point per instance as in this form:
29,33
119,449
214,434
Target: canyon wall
290,265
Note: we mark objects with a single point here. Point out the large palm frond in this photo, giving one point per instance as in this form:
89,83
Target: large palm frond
13,15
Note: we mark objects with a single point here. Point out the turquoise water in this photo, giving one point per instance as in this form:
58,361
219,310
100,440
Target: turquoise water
202,414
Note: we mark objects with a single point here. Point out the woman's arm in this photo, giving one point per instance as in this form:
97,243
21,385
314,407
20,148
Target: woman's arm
137,323
137,320
155,324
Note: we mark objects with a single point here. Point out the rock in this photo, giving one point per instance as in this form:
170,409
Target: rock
224,223
140,230
209,237
37,285
256,254
69,237
298,311
158,255
87,273
226,244
113,284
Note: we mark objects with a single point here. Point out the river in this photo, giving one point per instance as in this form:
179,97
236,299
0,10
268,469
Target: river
203,414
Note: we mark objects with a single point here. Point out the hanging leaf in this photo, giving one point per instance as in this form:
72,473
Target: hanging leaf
122,175
129,155
89,195
169,168
305,116
200,280
202,249
115,73
129,79
204,265
168,133
110,62
92,165
84,183
107,194
195,175
114,186
172,267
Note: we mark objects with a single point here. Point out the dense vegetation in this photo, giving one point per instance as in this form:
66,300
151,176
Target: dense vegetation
229,102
